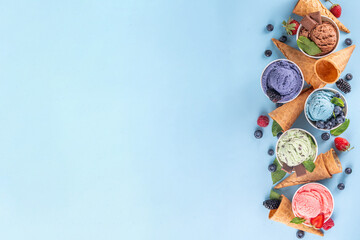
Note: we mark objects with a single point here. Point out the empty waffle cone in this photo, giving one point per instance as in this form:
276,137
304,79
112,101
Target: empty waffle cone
287,114
284,214
306,64
326,165
304,7
328,69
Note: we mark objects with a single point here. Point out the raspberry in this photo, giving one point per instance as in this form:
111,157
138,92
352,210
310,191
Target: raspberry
263,121
328,224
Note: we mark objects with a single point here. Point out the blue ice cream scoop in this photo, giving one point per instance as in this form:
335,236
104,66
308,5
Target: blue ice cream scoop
319,106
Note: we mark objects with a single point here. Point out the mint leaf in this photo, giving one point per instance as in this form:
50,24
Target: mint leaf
276,128
297,220
308,46
278,174
309,165
337,102
342,128
274,195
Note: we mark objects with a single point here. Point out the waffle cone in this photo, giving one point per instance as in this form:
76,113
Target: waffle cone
287,114
328,69
304,7
305,63
326,165
284,214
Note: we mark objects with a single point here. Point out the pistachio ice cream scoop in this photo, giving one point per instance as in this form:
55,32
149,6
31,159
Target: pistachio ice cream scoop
295,146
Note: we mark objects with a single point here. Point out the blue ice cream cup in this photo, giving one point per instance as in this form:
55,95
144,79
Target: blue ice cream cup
282,81
324,114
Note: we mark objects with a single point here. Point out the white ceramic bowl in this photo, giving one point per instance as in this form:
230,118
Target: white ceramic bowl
302,77
277,143
312,123
324,19
314,183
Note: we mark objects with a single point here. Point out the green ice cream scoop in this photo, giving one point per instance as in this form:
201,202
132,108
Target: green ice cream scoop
295,146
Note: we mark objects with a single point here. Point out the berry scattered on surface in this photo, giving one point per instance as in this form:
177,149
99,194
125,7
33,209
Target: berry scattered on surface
279,105
291,26
268,53
272,168
328,224
300,234
258,134
335,9
343,85
341,186
348,76
318,221
279,135
273,95
271,152
269,27
348,41
263,121
271,204
325,136
283,39
342,144
348,170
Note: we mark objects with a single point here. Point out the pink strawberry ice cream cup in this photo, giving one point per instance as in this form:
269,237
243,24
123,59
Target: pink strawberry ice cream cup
312,199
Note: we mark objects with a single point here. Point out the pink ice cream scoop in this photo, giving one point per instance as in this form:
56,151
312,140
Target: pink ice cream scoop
312,199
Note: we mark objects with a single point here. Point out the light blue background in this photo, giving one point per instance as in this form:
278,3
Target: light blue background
135,120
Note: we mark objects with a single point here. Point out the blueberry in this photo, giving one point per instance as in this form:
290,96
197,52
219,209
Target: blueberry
333,121
272,168
337,95
337,110
341,186
258,134
320,124
270,27
348,41
340,119
348,170
325,136
349,76
271,152
300,234
268,53
342,114
328,125
283,39
279,135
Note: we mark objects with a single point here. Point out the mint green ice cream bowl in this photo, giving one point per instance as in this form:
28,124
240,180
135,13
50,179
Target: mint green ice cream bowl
313,123
295,146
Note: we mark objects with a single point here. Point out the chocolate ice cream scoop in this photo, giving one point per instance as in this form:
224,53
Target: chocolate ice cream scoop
325,37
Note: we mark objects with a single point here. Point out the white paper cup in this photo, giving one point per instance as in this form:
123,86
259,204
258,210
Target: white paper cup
313,123
293,129
313,183
324,19
302,77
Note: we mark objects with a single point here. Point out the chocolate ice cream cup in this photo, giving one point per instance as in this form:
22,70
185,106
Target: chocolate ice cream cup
292,129
301,73
313,183
324,19
313,123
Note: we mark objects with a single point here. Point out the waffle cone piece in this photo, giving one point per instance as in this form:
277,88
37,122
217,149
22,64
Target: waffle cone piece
287,114
305,63
328,69
326,165
284,214
304,7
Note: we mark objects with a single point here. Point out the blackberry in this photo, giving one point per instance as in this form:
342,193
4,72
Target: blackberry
271,204
343,85
273,95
